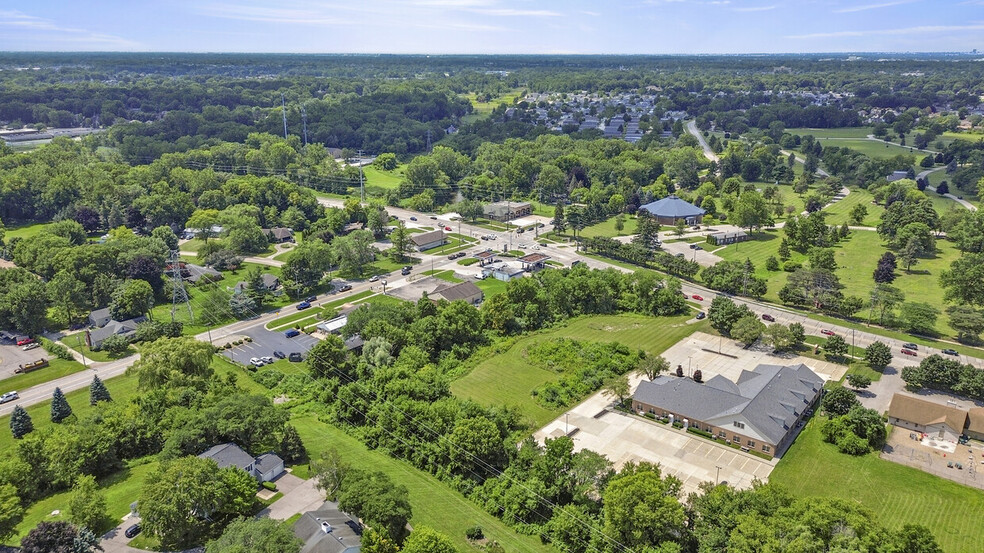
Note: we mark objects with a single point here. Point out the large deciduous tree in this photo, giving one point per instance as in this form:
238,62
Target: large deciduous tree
255,535
173,362
376,499
642,508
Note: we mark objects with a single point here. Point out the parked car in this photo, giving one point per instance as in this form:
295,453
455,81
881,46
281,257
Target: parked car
679,254
29,347
826,332
767,317
373,278
256,361
279,354
697,247
698,298
910,345
540,225
949,351
345,288
9,396
520,230
267,359
292,332
295,357
132,531
413,218
303,305
25,341
693,246
909,352
700,315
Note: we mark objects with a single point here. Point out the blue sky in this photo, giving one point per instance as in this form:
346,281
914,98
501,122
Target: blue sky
494,26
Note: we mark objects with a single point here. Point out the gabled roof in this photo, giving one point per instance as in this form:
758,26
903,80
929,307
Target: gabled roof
328,530
100,313
266,462
672,206
975,418
228,455
920,411
122,328
461,291
427,237
769,398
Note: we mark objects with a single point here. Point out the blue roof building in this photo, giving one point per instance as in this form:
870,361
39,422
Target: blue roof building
671,209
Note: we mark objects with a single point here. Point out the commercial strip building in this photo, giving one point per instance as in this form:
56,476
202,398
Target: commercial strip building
761,411
507,211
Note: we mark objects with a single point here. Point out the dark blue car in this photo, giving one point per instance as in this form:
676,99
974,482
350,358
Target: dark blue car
303,305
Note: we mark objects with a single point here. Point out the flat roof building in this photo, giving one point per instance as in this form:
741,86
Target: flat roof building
507,211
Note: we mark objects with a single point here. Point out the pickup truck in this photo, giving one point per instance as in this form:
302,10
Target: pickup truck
39,364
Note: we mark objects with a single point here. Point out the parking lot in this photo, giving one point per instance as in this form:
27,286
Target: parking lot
265,342
12,355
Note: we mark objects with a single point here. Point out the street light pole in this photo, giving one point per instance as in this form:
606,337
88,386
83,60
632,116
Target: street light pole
717,477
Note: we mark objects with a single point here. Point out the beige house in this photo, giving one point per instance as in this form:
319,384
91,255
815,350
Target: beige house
943,422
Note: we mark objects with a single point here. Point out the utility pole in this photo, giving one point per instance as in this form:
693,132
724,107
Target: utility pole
362,184
428,140
283,111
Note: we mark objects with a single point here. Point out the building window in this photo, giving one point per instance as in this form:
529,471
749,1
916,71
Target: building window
736,439
766,448
722,434
751,443
739,424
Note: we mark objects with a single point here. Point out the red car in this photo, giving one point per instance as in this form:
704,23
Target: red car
909,352
25,341
447,228
767,317
698,298
826,332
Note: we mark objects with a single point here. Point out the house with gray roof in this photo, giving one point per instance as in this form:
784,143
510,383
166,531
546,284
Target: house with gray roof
428,240
671,209
761,411
100,317
264,468
465,291
328,530
128,329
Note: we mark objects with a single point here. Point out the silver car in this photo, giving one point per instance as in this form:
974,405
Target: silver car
9,396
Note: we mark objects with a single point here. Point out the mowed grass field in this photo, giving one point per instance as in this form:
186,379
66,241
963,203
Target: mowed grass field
434,504
840,212
895,493
843,132
607,228
387,180
508,378
56,368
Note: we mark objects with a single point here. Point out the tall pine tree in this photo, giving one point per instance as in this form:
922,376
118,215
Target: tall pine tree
60,409
20,422
291,447
98,391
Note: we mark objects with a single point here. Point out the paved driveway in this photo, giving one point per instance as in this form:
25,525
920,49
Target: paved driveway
299,496
265,342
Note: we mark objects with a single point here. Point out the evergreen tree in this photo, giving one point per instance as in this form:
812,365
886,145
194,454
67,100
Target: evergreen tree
20,422
885,271
98,391
784,253
291,446
60,409
559,221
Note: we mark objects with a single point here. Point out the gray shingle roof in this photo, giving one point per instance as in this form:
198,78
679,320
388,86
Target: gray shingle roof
266,462
228,455
427,237
672,206
770,397
345,534
123,328
461,291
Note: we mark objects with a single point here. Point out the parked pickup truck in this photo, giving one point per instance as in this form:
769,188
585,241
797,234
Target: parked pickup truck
39,364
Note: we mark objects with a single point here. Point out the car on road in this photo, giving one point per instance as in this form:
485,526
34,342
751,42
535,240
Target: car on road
908,352
949,351
447,228
404,271
295,357
826,332
693,246
132,531
29,347
9,396
279,354
373,278
576,263
767,317
292,332
544,244
698,298
311,298
520,230
256,361
540,225
910,345
345,288
433,217
25,341
700,315
413,218
303,305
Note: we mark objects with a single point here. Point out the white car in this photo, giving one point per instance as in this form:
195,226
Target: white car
9,396
29,347
256,361
266,359
374,278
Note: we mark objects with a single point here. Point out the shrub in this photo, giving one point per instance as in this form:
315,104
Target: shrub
270,486
474,533
268,378
700,432
57,350
852,444
791,266
649,416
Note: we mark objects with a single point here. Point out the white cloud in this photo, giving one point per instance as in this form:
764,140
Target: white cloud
866,7
596,14
754,9
510,12
53,32
271,15
925,29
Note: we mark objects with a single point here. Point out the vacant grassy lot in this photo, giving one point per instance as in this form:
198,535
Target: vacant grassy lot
483,109
434,504
56,368
897,494
491,286
843,132
24,231
607,228
387,180
507,378
839,213
875,149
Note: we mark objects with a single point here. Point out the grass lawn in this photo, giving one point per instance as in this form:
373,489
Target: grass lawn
607,228
483,109
77,342
24,231
507,378
839,213
764,243
897,494
284,321
491,286
434,504
875,149
387,180
447,275
56,368
120,490
843,132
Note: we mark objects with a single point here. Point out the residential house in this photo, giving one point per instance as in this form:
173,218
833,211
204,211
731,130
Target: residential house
937,420
264,468
428,240
268,282
761,411
100,317
507,211
465,291
722,238
671,209
279,235
128,329
197,273
897,175
328,530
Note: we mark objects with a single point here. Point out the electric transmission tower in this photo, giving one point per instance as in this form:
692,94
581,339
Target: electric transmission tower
178,292
283,108
304,123
362,184
428,140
